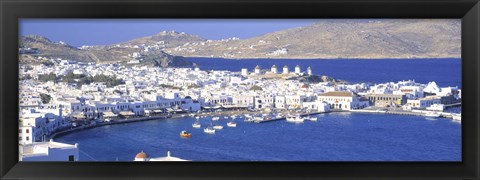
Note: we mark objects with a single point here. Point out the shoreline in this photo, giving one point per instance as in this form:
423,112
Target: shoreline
319,58
228,113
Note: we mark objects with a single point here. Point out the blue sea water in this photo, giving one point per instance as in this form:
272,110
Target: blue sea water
334,137
445,72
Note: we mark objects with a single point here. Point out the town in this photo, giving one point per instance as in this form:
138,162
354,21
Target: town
63,95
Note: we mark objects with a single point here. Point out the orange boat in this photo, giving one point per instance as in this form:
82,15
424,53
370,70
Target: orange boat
184,134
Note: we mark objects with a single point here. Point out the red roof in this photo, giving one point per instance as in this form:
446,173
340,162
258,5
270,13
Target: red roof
338,93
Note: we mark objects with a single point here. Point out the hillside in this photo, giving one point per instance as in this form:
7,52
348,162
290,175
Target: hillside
328,39
341,39
99,54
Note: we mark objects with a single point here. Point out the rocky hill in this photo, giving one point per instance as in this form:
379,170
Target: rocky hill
341,39
46,49
329,39
165,39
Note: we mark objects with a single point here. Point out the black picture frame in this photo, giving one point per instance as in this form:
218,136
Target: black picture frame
12,10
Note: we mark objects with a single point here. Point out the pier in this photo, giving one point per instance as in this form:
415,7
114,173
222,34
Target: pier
284,118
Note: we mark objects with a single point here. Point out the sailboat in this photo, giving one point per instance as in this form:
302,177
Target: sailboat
196,124
209,129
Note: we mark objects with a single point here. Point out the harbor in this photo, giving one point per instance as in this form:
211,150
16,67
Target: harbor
316,140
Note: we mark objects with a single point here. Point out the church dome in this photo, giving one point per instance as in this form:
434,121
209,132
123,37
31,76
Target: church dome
141,155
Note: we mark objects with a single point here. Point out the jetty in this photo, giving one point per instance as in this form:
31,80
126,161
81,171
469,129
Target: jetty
284,118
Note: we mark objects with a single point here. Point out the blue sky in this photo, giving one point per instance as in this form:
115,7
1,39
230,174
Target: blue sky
79,32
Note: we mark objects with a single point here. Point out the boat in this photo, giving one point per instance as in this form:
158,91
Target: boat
209,130
198,117
215,118
196,125
248,120
436,107
294,118
432,115
457,117
312,118
232,124
218,127
185,134
258,118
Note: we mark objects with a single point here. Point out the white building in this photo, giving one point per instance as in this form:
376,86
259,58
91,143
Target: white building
257,69
244,72
142,156
342,100
317,106
297,69
48,151
25,135
422,103
285,69
280,102
274,69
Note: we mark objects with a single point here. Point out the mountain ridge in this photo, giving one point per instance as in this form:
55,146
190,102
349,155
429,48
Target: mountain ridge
342,39
327,39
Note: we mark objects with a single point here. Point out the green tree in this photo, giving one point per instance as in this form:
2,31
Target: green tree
45,98
256,88
47,77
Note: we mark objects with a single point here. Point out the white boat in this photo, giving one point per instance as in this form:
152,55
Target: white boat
258,118
232,124
432,114
312,118
457,117
296,119
436,107
209,130
215,118
198,117
218,127
248,120
196,125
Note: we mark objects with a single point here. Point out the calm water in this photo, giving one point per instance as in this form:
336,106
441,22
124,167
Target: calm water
445,72
334,137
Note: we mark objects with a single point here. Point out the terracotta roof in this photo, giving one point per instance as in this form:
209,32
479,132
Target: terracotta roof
141,155
338,93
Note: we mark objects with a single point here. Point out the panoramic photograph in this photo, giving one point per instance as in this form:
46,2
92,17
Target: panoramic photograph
321,90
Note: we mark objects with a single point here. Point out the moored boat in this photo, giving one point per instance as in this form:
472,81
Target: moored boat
432,115
196,125
209,130
217,127
457,117
294,118
232,124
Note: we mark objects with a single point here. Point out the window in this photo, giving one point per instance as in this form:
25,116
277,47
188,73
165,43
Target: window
27,138
20,138
28,131
19,131
71,158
